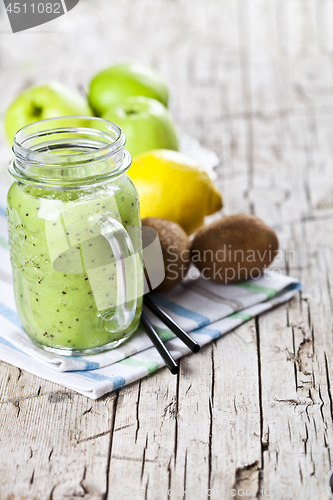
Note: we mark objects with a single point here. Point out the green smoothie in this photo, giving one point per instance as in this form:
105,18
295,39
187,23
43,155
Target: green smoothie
64,268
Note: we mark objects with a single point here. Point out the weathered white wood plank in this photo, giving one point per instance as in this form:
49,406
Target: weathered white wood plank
297,417
54,443
190,467
144,438
236,423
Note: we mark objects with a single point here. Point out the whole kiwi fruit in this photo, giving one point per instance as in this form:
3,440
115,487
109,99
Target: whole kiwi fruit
234,248
175,249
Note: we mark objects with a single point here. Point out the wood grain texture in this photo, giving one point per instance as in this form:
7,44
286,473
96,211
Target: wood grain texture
250,416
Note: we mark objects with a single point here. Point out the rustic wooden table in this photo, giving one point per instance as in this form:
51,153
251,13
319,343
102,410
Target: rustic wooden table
253,80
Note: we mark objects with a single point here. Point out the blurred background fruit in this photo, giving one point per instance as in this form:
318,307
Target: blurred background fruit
51,100
146,123
234,248
173,186
112,85
175,250
134,96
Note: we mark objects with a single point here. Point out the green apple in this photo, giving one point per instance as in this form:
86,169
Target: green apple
124,80
146,123
51,100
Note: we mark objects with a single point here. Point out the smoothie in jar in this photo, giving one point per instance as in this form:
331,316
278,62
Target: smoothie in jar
76,255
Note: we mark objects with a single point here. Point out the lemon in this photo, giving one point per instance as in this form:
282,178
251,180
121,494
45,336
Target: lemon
173,186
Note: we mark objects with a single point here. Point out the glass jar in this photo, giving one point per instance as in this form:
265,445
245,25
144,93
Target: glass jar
75,236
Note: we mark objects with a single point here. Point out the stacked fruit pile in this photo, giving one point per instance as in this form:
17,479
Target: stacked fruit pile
170,185
175,192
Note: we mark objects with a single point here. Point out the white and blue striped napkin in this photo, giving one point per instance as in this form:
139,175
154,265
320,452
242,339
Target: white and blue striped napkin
206,309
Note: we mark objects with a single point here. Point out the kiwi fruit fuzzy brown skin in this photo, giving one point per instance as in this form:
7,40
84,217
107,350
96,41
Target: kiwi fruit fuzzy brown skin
175,249
234,248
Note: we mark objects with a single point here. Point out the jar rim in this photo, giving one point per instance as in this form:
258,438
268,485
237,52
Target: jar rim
24,135
73,144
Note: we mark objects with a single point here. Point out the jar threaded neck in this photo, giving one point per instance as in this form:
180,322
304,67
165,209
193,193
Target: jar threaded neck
69,152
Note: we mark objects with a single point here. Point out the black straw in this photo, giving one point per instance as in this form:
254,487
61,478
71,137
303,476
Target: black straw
177,330
156,340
